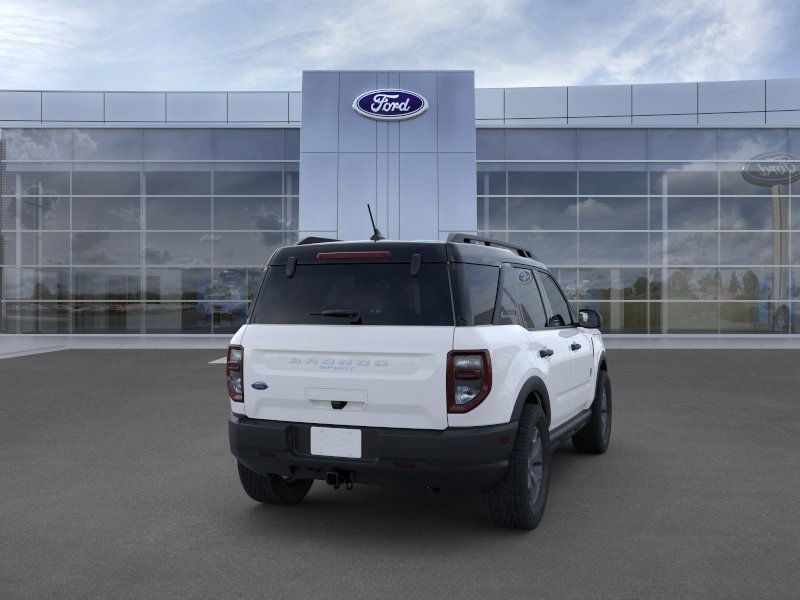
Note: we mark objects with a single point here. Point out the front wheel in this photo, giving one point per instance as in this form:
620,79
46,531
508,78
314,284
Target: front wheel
273,489
518,500
595,435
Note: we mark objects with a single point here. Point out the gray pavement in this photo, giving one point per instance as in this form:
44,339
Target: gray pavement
116,482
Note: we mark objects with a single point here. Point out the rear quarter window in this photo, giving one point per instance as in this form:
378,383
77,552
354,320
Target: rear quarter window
476,293
381,293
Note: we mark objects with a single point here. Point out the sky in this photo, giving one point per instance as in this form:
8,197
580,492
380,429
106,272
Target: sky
265,45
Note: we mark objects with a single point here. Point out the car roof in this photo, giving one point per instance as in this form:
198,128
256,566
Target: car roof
402,251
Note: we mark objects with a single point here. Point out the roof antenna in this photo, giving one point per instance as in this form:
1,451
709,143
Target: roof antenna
377,234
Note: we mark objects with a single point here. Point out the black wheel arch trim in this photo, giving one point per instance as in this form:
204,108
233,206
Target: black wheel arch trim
603,361
534,385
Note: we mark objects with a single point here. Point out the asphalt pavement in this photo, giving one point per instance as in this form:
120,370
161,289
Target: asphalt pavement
116,482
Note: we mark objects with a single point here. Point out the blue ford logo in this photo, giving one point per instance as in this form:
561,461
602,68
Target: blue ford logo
259,385
390,105
772,168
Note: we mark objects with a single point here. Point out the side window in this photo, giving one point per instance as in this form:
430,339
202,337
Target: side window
479,292
530,301
508,298
560,315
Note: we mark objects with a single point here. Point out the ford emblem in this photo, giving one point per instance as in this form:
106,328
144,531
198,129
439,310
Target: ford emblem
772,168
259,385
390,105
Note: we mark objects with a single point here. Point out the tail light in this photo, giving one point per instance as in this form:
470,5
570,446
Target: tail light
235,373
469,379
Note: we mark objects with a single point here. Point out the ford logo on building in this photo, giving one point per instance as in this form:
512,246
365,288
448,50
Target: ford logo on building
772,168
390,105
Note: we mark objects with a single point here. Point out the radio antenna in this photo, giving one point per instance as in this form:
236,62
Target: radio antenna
377,234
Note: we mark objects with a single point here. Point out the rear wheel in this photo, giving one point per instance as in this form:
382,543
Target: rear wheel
595,435
518,500
273,489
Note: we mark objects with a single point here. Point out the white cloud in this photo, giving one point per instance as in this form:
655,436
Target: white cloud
211,44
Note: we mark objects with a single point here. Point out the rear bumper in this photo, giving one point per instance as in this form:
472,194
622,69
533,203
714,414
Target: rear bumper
467,459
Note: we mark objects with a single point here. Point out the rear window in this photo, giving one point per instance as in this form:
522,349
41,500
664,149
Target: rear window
380,293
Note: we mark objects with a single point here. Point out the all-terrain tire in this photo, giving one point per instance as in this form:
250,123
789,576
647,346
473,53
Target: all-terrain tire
518,500
273,489
595,435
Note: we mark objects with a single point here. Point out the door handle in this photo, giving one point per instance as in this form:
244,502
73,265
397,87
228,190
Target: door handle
545,352
575,346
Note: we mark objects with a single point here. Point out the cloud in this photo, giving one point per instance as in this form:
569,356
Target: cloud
214,44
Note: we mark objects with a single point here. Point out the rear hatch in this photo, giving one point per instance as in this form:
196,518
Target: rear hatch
350,339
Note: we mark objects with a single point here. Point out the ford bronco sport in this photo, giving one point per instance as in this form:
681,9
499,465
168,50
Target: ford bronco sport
446,365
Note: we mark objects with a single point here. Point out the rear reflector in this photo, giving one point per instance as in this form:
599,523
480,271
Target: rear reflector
368,255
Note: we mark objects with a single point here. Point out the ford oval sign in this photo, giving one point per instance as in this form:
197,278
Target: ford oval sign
772,168
390,105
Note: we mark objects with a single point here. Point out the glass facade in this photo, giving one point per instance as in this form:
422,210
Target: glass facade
159,230
141,230
656,229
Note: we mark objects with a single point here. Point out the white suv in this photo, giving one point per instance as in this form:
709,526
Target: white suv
446,365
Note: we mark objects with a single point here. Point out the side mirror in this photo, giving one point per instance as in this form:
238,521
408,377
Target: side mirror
589,318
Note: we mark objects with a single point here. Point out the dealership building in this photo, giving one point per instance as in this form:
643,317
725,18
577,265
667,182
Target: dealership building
672,209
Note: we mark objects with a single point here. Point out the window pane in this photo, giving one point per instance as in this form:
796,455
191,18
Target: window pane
755,283
610,182
613,249
227,317
682,144
542,213
118,183
43,212
530,300
613,284
755,213
491,144
235,284
492,213
45,248
476,294
38,144
530,180
239,249
178,284
491,179
171,248
745,144
291,141
183,317
30,317
178,213
509,310
177,144
291,179
178,183
692,213
108,144
559,308
612,144
751,317
693,284
692,248
550,248
733,182
106,284
35,180
248,144
749,248
252,181
114,248
683,180
691,317
612,213
106,213
35,284
107,317
541,144
248,213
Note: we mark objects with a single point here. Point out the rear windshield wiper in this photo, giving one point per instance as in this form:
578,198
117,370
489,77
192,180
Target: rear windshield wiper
346,313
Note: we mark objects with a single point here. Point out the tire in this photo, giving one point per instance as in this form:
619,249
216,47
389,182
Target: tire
595,435
518,500
273,489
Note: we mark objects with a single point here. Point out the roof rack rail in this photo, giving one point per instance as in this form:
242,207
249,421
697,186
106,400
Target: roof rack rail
465,238
314,240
